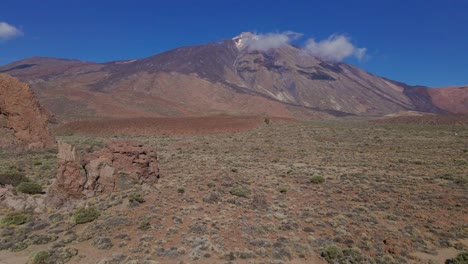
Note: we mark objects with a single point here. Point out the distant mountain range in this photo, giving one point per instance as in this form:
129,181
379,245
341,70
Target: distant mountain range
224,77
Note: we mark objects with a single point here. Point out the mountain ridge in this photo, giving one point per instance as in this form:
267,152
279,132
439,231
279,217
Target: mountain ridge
219,78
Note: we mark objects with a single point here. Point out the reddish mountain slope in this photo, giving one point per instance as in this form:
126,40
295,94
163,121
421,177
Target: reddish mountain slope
223,78
451,99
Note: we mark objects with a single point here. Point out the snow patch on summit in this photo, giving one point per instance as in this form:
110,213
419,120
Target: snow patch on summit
243,39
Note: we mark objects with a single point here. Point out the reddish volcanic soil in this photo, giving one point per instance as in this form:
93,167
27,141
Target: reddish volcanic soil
163,125
452,99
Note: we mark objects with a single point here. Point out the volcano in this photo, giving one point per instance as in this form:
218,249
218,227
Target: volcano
225,77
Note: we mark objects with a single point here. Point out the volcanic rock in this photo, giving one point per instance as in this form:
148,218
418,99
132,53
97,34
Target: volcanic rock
117,166
70,179
21,113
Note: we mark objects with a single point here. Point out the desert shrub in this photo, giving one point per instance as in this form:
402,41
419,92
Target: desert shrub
336,255
283,189
331,253
240,191
14,218
259,201
39,257
37,163
317,179
181,189
12,178
135,199
84,215
29,188
461,258
144,225
267,121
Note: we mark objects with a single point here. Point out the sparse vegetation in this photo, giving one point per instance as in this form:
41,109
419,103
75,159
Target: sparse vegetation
144,225
39,257
85,214
14,218
240,191
252,187
332,253
181,189
135,199
29,188
461,258
460,162
336,255
316,179
12,178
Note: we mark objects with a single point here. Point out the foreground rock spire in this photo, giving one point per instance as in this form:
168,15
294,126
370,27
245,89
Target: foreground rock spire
21,113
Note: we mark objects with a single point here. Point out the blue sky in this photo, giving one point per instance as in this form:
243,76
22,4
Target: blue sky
413,41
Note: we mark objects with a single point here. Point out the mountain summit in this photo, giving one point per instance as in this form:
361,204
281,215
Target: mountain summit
224,77
242,39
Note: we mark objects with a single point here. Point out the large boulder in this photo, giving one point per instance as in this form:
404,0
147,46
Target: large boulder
117,166
21,114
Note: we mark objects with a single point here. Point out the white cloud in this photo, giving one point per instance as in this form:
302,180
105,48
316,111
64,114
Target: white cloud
8,31
335,48
264,42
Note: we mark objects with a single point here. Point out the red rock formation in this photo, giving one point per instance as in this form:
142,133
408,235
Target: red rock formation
21,113
117,166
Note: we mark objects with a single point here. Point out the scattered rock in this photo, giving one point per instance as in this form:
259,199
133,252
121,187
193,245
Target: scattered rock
21,202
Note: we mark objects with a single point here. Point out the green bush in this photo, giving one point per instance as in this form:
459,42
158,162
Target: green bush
317,179
283,189
84,215
461,258
334,254
181,189
29,188
39,257
240,191
14,218
331,253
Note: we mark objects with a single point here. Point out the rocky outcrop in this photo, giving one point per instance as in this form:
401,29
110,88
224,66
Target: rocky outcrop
117,166
70,178
20,201
21,113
